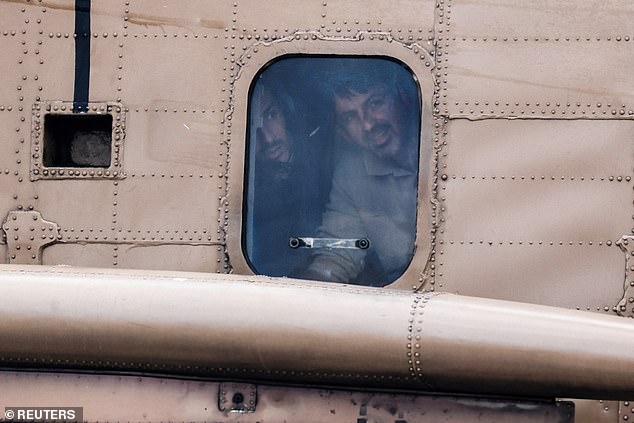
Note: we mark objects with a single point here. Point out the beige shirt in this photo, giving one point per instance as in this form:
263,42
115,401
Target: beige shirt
374,199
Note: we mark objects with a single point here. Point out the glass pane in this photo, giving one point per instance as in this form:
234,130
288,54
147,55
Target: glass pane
332,169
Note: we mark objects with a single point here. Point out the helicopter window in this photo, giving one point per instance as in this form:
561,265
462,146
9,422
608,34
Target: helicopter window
77,140
332,173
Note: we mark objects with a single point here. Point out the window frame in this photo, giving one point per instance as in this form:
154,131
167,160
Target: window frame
40,171
259,57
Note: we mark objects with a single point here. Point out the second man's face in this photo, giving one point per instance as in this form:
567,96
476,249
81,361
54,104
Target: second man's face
370,120
272,136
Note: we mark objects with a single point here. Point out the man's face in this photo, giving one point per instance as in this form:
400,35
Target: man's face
370,120
272,140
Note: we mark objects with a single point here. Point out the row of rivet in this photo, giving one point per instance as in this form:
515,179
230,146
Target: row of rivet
439,129
607,243
115,186
619,178
207,240
22,117
37,168
533,112
167,110
163,175
231,68
586,38
414,346
424,55
131,365
626,411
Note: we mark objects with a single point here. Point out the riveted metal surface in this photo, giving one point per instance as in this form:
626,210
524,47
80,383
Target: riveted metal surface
585,277
169,17
59,16
407,20
147,73
625,306
535,78
172,212
534,149
568,210
57,71
9,143
114,171
566,18
237,397
27,233
13,51
626,411
279,17
195,128
587,411
105,68
205,257
82,254
144,399
417,57
85,202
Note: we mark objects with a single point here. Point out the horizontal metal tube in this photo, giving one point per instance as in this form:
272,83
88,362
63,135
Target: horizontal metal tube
282,330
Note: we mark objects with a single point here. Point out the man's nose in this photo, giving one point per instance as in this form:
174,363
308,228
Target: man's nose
367,120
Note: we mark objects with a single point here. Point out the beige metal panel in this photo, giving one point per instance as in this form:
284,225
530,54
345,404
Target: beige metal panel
190,76
56,75
11,15
170,17
411,19
188,258
588,277
10,69
534,148
626,410
183,208
105,59
278,16
77,205
9,139
566,18
308,333
536,210
58,16
168,143
86,255
588,411
538,78
144,399
3,253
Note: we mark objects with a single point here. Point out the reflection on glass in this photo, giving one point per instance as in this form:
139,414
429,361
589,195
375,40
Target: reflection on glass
332,169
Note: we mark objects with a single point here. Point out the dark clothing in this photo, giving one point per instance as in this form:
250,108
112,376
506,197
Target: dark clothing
288,201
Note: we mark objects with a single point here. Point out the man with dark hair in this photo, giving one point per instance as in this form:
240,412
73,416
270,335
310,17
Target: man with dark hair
374,188
285,197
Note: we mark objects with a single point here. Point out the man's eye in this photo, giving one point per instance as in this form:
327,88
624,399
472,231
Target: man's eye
349,117
271,114
377,102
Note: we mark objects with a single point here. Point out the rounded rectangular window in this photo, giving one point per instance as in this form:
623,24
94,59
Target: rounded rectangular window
332,169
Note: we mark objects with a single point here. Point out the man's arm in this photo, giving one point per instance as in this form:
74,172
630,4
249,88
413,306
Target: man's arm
340,220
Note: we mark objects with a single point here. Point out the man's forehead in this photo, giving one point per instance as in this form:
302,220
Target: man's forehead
353,97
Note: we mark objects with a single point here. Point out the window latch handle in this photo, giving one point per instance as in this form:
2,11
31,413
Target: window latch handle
330,243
